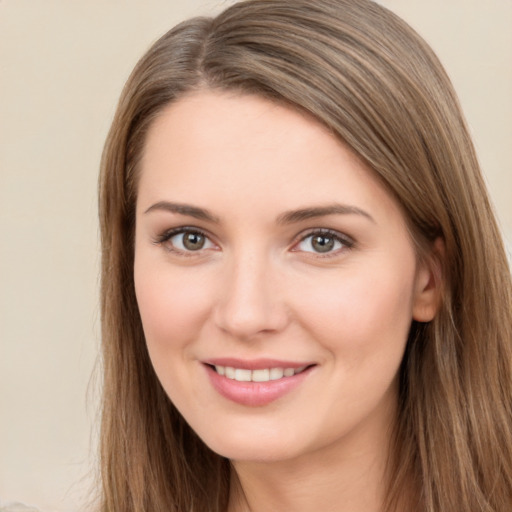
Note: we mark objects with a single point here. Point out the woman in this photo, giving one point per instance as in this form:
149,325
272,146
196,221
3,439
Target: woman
305,297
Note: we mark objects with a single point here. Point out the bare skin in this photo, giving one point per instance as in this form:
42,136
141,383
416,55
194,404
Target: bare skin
351,481
264,245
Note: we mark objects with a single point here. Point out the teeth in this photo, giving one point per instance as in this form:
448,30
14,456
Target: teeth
276,373
260,375
263,375
243,375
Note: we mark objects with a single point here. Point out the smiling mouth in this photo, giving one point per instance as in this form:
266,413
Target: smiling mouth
259,375
256,383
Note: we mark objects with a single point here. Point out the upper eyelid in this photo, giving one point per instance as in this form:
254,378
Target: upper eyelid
163,240
347,244
344,238
169,233
325,231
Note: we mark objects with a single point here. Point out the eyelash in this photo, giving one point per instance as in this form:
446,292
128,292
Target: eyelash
167,235
346,242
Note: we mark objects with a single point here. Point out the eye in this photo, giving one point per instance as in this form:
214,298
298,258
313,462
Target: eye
185,240
323,241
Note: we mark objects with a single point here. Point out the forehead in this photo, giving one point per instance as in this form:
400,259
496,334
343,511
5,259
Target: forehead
206,122
212,147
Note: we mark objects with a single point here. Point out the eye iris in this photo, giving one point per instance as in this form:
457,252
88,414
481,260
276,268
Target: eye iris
193,241
322,243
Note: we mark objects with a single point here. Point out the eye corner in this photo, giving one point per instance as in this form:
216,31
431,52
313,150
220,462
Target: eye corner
329,243
183,247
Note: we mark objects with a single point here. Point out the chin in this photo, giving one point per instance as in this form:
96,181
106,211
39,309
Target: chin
253,453
249,445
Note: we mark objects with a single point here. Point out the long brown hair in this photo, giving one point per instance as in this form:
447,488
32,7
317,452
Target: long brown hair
374,82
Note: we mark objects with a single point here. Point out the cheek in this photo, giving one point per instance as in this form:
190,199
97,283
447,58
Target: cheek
172,304
360,312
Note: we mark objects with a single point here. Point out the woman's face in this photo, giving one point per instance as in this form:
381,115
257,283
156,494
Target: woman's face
275,277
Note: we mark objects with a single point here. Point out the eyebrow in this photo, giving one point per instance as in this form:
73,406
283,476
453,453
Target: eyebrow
293,216
183,209
289,217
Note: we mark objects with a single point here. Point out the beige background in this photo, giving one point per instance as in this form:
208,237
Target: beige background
62,66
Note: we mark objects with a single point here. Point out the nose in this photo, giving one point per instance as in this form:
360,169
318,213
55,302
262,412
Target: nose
250,302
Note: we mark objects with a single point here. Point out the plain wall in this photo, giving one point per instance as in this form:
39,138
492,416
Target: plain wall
62,67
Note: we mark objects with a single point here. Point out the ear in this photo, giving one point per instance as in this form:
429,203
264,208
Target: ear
429,284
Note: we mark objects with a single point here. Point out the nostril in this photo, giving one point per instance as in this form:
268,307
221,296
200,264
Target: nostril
249,303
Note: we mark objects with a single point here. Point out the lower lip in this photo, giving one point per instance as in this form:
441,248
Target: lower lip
254,394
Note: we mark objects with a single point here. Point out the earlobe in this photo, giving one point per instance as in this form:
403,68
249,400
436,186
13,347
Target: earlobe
429,284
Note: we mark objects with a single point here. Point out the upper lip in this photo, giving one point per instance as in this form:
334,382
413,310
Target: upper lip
255,364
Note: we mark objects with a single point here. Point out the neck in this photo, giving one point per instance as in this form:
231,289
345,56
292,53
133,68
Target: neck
347,476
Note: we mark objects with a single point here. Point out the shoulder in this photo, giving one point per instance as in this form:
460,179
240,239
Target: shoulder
16,507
